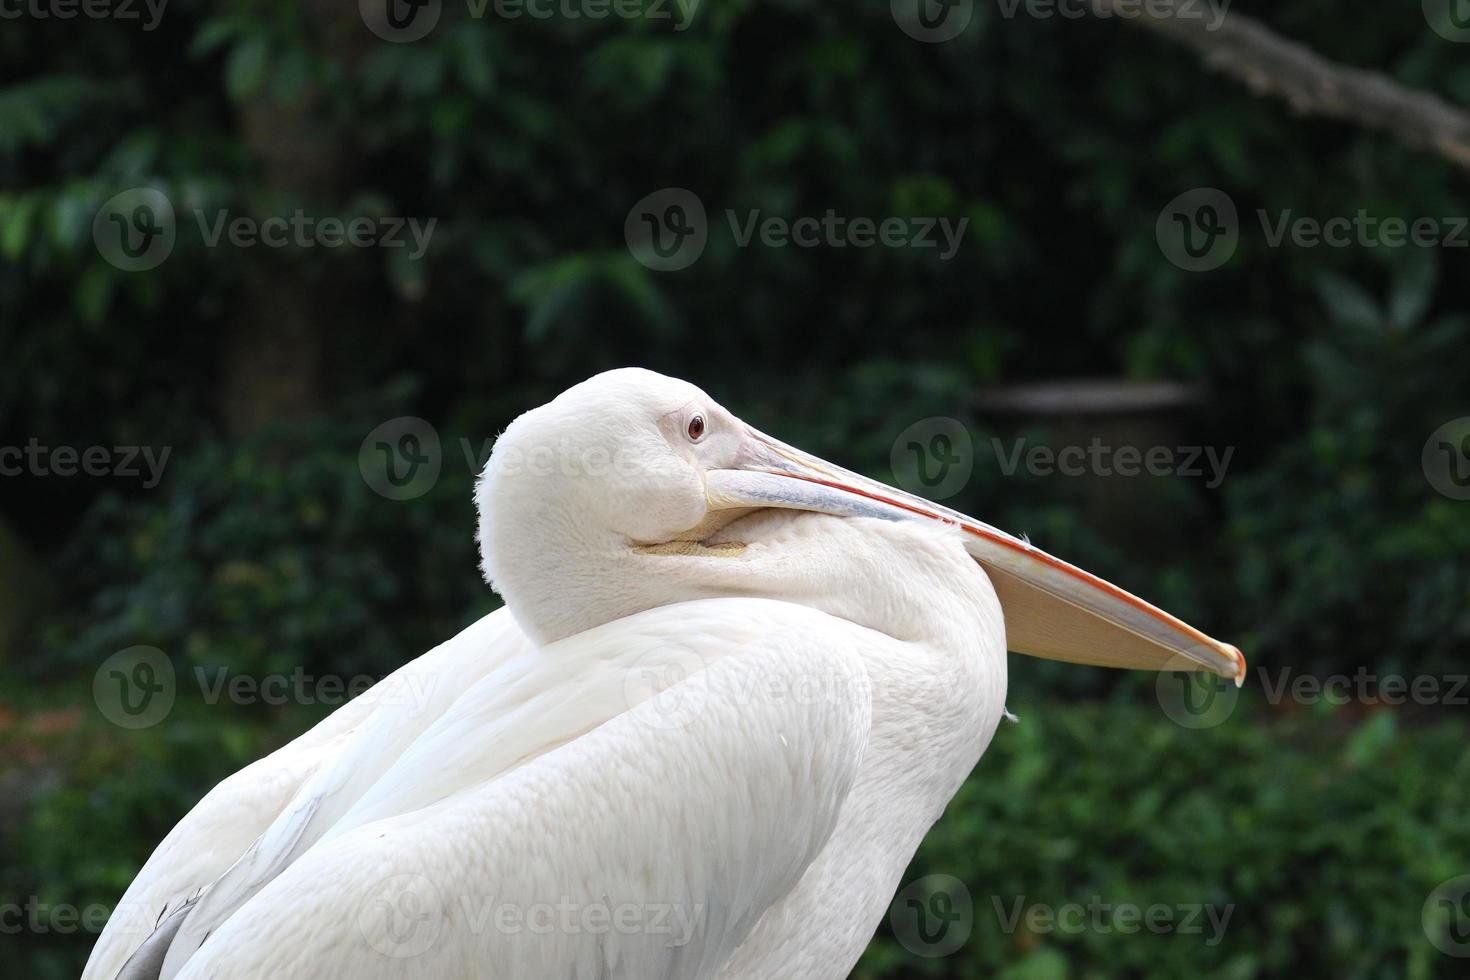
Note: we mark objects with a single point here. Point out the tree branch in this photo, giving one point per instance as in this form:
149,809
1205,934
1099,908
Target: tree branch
1270,64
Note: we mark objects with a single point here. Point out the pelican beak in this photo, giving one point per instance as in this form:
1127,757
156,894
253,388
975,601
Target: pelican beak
1052,609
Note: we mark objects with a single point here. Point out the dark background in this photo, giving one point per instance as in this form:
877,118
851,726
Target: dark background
1330,549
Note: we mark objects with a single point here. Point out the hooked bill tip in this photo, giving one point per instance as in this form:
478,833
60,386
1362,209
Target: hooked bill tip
1240,665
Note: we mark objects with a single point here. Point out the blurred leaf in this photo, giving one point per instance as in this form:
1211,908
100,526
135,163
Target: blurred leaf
1044,964
213,35
1349,304
473,65
94,293
246,67
1371,740
17,212
1413,290
291,76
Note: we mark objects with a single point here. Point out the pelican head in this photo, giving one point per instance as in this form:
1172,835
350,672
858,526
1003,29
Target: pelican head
611,498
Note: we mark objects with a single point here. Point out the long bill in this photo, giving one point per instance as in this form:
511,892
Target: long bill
1052,609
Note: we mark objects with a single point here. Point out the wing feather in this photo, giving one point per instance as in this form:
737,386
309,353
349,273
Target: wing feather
232,817
673,775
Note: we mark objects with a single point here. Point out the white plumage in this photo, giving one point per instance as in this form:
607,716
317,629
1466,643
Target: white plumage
703,739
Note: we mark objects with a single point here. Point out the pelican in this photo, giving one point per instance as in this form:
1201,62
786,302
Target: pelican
730,690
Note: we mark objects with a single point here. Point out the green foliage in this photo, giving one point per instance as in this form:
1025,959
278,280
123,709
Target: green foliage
1341,542
1059,140
1323,841
273,556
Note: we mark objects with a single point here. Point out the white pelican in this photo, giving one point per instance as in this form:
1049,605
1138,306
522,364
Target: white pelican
731,689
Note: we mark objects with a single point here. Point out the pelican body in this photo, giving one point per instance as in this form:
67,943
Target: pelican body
731,689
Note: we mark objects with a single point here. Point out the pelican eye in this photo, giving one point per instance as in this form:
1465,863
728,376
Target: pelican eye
696,428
